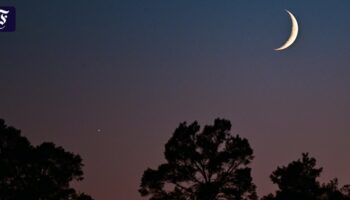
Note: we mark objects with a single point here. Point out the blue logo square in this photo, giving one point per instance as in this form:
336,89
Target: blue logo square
7,19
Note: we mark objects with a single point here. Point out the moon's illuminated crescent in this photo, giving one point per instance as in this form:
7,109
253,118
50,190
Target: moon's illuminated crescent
293,35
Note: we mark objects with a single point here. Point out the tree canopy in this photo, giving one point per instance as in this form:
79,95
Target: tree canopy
298,180
42,172
207,164
213,164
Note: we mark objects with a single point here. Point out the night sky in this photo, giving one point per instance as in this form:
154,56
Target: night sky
111,80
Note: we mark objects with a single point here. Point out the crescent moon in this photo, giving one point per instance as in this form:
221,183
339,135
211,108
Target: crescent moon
293,35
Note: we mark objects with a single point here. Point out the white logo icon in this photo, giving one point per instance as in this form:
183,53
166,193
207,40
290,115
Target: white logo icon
3,18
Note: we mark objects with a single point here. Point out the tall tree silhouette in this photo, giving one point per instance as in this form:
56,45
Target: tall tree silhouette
202,165
298,180
41,172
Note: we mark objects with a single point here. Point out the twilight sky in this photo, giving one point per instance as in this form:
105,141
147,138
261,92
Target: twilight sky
136,69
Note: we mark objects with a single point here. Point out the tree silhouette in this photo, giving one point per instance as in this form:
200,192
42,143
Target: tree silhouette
206,165
84,197
298,180
41,172
331,191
